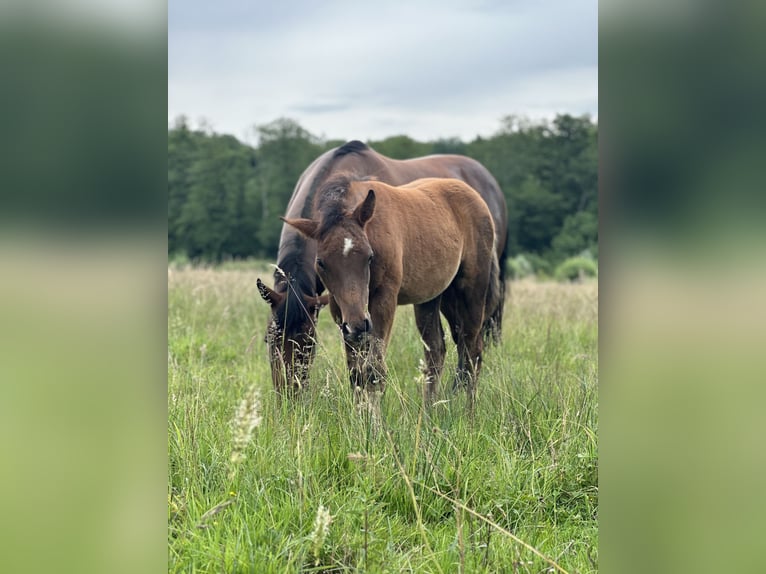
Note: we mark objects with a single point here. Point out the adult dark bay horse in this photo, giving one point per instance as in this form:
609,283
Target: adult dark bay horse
430,243
297,297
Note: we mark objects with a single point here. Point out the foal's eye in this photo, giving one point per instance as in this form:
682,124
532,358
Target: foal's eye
320,263
369,260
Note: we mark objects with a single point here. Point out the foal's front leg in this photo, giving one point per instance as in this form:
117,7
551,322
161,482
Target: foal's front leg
366,364
372,369
367,370
358,354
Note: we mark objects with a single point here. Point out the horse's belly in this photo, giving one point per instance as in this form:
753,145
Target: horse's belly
427,283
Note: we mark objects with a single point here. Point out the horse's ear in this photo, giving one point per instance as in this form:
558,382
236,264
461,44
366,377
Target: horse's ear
269,295
317,303
364,210
323,300
307,227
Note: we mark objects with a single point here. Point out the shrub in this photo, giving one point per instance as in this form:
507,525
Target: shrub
542,267
579,232
576,269
179,260
519,267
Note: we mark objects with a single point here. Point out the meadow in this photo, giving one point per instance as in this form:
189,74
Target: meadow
258,484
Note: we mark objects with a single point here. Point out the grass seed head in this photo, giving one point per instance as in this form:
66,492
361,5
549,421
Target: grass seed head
246,418
321,531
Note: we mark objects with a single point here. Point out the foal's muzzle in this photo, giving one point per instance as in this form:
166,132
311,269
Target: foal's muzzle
354,332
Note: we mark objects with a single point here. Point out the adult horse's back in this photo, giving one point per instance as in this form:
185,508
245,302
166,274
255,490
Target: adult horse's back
297,294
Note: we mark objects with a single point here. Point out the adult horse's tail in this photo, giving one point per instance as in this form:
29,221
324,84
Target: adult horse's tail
493,307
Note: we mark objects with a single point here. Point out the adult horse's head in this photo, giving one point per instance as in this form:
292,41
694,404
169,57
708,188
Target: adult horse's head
290,335
343,261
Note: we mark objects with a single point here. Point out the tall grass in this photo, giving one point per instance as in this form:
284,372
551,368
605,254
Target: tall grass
314,488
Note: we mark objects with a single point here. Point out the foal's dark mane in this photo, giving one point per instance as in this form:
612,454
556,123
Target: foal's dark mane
331,204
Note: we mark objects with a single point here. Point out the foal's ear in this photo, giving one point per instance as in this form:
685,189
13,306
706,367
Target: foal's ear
307,227
269,295
364,210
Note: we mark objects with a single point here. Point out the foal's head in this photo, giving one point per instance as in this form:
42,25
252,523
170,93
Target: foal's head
344,257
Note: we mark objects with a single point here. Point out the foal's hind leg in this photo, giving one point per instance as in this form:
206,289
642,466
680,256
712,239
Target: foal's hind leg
430,326
465,314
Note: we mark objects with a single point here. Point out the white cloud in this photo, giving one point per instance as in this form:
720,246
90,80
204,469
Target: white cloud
367,71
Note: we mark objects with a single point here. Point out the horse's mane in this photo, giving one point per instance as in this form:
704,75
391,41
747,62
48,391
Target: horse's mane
325,165
331,204
354,146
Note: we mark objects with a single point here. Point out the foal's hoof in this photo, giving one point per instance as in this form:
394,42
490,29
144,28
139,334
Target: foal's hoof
459,384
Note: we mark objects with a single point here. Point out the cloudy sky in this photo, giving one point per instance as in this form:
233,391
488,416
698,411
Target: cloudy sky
367,70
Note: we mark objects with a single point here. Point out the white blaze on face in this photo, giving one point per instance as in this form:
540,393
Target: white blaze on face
348,245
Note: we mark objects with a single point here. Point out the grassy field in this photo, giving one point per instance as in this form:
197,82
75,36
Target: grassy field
305,486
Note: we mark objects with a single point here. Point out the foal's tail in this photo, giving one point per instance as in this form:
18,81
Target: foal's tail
493,307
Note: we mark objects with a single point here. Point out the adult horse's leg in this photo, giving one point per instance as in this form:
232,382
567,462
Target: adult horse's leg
429,324
493,310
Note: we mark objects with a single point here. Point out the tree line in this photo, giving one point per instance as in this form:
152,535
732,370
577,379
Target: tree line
225,196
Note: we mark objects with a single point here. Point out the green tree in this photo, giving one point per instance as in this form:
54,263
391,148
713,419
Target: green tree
225,197
548,172
285,149
212,214
537,210
578,234
401,147
182,147
449,146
